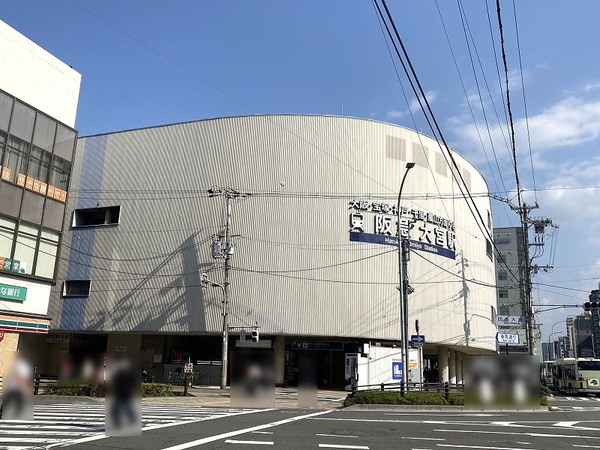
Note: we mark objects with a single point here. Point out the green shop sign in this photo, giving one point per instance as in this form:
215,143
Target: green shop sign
16,293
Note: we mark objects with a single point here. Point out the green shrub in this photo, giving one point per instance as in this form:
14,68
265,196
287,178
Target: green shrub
55,388
545,392
456,399
395,398
157,390
148,390
544,401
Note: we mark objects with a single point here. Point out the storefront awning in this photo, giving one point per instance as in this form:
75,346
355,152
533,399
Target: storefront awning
24,324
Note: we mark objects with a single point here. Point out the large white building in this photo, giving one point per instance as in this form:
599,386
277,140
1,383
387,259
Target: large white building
38,103
315,264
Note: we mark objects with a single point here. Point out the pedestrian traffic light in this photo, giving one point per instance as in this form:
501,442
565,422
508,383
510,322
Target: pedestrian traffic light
255,336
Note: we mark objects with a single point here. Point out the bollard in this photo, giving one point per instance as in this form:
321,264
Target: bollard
382,386
36,384
446,390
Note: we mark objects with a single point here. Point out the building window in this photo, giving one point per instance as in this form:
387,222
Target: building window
76,288
502,293
501,258
93,217
46,257
504,310
35,248
502,276
488,249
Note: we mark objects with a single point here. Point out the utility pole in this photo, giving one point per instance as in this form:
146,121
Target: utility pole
527,268
222,247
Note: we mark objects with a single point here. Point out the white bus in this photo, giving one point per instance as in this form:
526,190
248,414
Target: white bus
546,376
577,375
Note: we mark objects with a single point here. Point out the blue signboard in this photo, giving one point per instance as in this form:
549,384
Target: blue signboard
393,240
417,338
396,370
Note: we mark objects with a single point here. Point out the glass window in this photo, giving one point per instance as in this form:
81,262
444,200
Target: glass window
502,276
65,142
26,246
43,135
46,259
503,293
59,178
22,121
6,103
7,236
38,169
15,161
76,288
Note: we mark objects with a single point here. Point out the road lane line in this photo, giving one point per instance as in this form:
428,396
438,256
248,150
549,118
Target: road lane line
514,433
262,432
422,438
356,447
233,441
481,447
229,434
335,435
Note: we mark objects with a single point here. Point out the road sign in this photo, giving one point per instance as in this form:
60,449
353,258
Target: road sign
418,339
188,368
242,335
507,338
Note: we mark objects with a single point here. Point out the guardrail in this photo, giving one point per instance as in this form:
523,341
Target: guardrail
39,383
444,388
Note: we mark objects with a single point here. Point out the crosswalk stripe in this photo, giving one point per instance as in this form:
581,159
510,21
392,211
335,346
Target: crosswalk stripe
62,424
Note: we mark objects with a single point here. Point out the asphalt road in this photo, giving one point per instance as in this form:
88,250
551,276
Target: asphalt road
576,425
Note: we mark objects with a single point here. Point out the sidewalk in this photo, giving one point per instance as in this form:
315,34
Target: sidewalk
209,396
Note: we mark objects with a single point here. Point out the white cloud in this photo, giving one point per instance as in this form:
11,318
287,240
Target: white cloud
567,123
429,95
395,114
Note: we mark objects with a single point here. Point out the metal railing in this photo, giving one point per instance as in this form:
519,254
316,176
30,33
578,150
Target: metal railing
440,388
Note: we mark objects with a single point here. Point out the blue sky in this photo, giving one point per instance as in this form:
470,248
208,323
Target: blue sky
148,63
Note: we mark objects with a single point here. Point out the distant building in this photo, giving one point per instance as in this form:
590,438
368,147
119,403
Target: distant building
38,103
510,293
580,336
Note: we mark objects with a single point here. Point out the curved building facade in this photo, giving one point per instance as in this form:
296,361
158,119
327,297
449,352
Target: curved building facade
312,223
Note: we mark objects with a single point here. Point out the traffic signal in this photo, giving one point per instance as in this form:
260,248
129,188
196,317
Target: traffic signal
594,300
255,336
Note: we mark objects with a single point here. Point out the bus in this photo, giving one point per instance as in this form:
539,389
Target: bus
546,376
576,375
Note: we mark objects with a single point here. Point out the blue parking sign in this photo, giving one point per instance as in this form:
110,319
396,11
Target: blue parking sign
396,370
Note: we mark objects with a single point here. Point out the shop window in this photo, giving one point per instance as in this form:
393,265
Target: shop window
58,181
76,288
92,217
37,170
16,154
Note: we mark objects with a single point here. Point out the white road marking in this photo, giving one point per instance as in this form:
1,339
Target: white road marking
586,446
335,435
423,438
358,447
262,432
514,433
232,441
571,425
229,434
481,447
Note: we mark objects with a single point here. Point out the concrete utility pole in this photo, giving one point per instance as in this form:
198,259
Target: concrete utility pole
527,268
223,248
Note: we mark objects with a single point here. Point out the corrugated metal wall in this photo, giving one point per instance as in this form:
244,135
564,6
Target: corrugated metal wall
294,271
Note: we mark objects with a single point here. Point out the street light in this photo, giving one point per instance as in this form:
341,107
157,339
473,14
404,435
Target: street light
224,347
403,287
553,333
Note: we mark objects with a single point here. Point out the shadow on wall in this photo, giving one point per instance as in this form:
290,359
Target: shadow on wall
151,305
